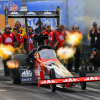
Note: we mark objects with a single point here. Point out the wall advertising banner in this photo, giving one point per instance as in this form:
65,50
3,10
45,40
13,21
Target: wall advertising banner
13,5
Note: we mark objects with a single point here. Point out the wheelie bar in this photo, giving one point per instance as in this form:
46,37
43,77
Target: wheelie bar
69,80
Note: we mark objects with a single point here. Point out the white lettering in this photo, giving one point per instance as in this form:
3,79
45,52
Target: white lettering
30,13
8,40
47,13
27,73
61,37
14,13
91,78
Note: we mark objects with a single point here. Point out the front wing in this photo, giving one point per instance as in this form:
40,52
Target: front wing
69,80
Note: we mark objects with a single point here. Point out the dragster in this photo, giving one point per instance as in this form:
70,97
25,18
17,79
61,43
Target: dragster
41,65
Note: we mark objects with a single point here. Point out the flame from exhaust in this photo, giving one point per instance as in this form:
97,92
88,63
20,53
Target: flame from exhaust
12,64
6,51
73,38
66,53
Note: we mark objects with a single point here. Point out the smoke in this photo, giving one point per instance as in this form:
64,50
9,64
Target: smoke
91,12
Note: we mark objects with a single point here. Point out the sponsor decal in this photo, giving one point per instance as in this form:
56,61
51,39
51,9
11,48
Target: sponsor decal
8,40
30,40
14,13
91,78
70,80
47,13
30,13
48,81
61,37
13,7
27,79
27,73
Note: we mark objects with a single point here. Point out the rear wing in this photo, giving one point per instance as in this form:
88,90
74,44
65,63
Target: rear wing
30,14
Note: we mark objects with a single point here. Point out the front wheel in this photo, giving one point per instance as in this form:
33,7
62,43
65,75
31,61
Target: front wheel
52,76
82,74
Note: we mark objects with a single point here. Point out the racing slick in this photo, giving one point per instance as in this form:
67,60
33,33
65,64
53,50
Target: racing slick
60,34
8,38
52,41
75,29
25,43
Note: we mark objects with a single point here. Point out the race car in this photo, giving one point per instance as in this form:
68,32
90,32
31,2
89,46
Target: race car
41,65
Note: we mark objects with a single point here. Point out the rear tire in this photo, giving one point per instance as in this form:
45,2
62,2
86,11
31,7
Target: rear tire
52,76
82,74
15,73
15,76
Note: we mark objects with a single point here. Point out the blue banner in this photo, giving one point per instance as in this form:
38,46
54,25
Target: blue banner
12,6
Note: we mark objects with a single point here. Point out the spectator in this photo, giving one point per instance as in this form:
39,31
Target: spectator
15,31
25,47
40,28
95,36
60,34
52,37
8,38
95,58
75,29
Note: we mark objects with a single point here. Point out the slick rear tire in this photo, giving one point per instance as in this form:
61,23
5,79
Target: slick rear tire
15,76
82,74
52,76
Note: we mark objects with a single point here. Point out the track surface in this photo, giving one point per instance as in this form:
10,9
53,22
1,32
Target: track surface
9,91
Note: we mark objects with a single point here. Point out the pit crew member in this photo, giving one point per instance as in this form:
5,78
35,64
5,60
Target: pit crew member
8,38
60,34
25,43
15,31
75,29
52,41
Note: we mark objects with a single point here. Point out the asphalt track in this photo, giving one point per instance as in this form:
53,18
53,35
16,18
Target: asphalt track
9,91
